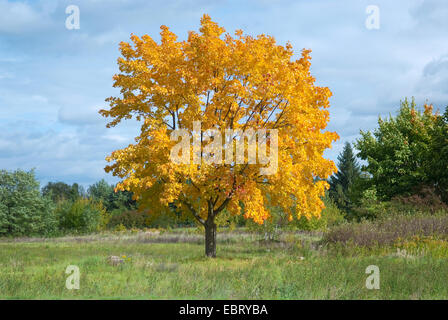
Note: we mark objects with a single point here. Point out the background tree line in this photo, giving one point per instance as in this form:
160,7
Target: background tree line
59,208
405,170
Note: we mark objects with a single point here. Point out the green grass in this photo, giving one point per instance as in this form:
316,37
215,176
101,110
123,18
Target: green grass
244,269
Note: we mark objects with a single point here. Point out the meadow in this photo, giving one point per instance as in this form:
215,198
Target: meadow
171,265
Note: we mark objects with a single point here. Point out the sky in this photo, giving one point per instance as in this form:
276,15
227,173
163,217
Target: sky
53,79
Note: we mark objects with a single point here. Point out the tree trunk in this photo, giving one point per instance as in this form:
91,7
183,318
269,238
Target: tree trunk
210,238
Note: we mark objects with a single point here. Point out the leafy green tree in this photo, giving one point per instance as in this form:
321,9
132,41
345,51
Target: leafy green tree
59,191
23,210
104,192
438,157
348,173
100,190
400,150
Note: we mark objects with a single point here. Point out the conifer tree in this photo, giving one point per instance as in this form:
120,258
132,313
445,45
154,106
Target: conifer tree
348,172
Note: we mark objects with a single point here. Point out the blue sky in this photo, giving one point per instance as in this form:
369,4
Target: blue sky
54,80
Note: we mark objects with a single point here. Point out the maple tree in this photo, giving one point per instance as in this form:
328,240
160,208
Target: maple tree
226,82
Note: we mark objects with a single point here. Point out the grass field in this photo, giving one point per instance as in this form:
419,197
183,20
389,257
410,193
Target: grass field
172,266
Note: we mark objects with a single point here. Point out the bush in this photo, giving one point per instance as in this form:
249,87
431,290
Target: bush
368,208
141,219
271,227
331,215
230,221
427,200
23,210
81,216
129,219
388,231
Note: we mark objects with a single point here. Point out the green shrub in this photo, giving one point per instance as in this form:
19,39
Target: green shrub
331,215
369,207
129,219
81,216
271,228
227,220
426,202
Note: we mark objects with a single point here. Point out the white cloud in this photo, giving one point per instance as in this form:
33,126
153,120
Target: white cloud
54,80
17,17
6,75
80,115
39,98
433,84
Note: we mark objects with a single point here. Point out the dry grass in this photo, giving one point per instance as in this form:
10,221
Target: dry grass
292,268
388,231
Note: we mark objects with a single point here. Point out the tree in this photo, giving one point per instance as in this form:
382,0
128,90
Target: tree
112,200
348,173
438,156
23,210
59,191
100,190
242,83
81,216
400,150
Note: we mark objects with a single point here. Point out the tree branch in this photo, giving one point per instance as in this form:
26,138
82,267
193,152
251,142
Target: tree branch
189,206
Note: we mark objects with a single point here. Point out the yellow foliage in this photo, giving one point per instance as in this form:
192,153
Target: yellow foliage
239,82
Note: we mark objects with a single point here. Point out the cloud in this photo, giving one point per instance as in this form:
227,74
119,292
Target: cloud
19,17
39,98
63,154
80,116
54,80
433,84
430,14
6,76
